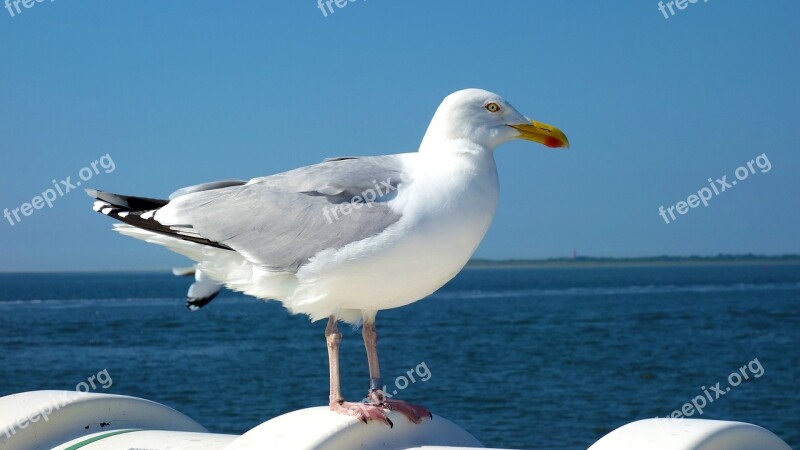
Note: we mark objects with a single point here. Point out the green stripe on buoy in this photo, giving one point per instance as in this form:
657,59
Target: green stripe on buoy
97,438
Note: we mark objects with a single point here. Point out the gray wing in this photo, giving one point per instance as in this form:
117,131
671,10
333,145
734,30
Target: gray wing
206,187
281,221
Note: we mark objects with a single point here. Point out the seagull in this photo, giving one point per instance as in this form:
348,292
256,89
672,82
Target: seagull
202,291
351,236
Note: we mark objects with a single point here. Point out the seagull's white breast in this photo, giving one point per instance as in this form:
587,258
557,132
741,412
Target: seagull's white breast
446,210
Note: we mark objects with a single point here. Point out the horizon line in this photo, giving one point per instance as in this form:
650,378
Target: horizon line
564,260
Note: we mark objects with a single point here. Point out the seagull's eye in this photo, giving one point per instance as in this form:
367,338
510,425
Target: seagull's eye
492,107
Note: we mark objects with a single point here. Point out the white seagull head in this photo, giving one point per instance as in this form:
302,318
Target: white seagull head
486,119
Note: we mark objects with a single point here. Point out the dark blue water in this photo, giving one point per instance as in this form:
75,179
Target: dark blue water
522,358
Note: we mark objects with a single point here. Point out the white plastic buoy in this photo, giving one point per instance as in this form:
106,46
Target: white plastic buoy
68,420
49,419
689,434
321,429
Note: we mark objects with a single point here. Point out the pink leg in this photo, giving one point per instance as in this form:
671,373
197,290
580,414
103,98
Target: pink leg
361,411
414,413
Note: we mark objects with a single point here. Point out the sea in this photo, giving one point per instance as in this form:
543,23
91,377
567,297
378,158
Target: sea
523,358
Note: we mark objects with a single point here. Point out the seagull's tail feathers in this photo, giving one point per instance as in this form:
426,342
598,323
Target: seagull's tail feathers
134,211
139,212
214,259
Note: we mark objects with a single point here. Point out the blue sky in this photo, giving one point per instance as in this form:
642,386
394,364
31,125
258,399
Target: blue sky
178,93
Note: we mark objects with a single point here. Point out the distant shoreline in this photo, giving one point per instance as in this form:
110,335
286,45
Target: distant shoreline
662,261
553,263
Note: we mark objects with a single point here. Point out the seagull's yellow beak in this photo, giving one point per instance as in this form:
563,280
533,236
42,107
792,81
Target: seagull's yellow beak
542,133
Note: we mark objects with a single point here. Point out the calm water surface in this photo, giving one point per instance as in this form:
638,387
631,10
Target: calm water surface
522,358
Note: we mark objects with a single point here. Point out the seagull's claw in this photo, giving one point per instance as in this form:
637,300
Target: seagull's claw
375,405
415,413
362,411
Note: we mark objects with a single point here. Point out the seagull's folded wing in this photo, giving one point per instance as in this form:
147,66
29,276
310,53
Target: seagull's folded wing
281,221
206,187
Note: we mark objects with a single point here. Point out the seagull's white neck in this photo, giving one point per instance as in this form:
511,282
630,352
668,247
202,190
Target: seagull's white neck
433,143
460,170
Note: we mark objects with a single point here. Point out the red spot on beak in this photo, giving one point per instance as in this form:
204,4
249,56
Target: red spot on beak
553,142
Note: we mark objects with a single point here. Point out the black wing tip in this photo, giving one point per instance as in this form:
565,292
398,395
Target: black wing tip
195,303
139,212
129,202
